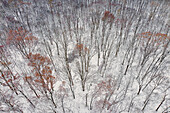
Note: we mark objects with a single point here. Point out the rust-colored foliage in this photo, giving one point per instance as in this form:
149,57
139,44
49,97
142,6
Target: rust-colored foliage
104,90
106,87
8,79
108,17
26,3
30,38
100,104
19,36
106,13
156,38
38,60
81,48
28,77
63,92
5,63
42,71
153,3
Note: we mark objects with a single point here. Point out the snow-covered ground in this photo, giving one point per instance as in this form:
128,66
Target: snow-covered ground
84,56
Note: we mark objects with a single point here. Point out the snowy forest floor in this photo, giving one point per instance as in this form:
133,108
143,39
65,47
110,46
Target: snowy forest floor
84,56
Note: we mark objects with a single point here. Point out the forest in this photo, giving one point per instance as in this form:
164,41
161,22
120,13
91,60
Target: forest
84,56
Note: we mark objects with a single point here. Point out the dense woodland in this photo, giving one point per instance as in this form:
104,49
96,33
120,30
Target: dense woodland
84,56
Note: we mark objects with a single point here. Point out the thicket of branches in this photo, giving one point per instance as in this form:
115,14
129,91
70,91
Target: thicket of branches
110,55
